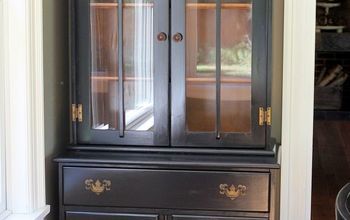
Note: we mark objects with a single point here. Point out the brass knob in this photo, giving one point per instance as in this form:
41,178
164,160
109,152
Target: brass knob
178,37
162,36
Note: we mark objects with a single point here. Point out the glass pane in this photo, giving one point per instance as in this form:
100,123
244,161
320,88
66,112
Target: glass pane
200,65
236,66
104,64
138,64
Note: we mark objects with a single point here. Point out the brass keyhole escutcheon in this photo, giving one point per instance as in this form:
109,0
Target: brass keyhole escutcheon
162,36
178,37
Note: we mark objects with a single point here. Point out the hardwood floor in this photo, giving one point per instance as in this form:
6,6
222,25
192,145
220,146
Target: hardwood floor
331,165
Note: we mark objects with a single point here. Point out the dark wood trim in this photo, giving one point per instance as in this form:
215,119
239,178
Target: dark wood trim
72,69
167,213
60,192
178,71
81,16
269,75
213,217
74,215
121,117
161,75
218,69
171,161
275,194
185,150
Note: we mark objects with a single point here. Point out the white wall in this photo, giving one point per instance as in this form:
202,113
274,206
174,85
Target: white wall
2,124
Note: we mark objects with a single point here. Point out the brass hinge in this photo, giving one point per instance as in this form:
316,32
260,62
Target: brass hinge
77,112
265,117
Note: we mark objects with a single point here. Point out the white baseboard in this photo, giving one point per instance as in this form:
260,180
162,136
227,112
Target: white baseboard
37,215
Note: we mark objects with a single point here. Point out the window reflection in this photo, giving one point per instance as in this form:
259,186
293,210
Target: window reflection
104,64
200,65
236,67
138,65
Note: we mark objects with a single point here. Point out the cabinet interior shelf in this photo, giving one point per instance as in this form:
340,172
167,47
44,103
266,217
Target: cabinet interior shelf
188,79
190,5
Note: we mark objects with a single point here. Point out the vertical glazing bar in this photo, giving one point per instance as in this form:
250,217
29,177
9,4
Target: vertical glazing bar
218,67
120,69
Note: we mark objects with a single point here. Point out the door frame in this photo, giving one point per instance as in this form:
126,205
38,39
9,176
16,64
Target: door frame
21,67
297,108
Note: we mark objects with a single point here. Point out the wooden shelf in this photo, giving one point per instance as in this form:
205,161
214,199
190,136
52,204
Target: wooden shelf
116,78
223,6
223,80
108,5
333,42
194,6
188,79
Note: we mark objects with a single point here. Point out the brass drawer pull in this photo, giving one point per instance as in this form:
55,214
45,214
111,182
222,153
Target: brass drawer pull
232,192
97,186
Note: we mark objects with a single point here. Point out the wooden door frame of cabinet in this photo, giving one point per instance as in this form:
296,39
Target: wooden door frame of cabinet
82,132
258,137
297,109
22,86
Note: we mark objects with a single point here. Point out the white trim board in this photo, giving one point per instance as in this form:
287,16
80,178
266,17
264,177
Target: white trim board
2,129
36,215
297,109
22,64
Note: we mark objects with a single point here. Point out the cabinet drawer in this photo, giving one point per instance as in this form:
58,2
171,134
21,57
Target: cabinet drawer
107,216
231,191
190,217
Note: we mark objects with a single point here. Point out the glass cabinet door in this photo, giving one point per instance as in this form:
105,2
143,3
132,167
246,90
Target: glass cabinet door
122,66
219,72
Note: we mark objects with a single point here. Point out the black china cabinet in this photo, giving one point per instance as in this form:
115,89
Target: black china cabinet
171,115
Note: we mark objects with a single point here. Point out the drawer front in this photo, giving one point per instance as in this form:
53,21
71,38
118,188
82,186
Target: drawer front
190,217
231,191
107,216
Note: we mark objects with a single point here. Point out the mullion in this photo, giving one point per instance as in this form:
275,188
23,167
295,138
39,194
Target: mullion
218,68
120,69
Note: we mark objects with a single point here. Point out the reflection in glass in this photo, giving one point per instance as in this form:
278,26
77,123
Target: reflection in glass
104,64
138,65
236,66
200,65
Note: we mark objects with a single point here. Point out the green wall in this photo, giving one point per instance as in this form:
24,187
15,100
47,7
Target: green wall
56,92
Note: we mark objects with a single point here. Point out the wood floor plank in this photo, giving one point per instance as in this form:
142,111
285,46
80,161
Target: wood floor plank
331,165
